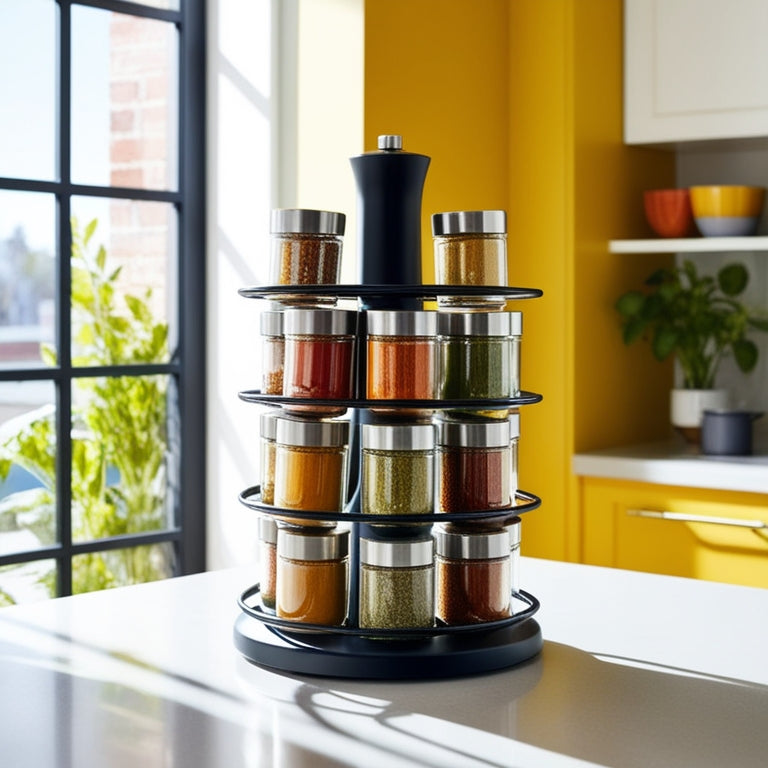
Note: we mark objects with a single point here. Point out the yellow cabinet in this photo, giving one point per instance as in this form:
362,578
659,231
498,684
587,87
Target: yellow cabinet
699,533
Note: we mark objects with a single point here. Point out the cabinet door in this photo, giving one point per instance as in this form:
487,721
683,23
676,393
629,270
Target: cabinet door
695,69
713,535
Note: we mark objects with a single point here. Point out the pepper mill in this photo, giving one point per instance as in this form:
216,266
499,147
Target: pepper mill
389,182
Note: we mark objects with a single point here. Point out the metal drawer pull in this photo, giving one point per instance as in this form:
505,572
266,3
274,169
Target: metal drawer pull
755,525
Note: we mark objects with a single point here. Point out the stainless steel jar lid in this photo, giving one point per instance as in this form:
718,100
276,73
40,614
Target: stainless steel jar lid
399,437
319,433
397,553
322,322
514,527
472,546
306,221
390,141
514,426
300,545
469,222
383,322
479,323
268,424
271,323
267,530
473,434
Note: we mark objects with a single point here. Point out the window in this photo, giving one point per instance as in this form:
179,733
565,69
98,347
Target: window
102,437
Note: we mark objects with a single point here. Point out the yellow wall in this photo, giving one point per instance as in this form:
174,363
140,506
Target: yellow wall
519,105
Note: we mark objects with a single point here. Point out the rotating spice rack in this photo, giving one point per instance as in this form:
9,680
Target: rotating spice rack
350,651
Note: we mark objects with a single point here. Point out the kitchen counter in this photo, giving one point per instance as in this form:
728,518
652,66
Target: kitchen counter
636,670
672,462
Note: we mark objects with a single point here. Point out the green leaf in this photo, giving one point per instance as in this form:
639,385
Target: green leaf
633,329
630,304
658,277
101,258
745,354
733,279
89,230
82,289
758,322
138,309
48,355
664,342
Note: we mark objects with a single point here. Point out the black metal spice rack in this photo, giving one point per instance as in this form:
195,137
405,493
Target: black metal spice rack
350,651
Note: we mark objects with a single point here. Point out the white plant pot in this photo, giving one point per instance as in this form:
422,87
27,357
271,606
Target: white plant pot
688,405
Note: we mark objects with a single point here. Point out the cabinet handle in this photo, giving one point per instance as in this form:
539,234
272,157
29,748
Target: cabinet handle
755,525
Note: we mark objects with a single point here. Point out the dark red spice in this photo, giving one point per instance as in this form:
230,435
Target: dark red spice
474,479
471,591
318,367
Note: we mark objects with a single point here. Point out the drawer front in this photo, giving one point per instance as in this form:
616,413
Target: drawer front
701,534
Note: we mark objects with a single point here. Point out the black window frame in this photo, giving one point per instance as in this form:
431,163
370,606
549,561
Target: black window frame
187,364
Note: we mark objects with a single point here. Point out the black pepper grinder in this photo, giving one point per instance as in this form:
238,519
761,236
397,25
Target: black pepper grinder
390,183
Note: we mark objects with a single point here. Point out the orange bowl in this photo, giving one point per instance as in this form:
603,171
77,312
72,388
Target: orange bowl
668,211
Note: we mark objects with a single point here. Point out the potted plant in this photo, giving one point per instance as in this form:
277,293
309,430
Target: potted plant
699,320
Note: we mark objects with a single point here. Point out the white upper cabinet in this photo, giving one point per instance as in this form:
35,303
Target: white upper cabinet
695,70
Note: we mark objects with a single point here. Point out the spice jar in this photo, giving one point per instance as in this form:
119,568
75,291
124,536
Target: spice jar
479,355
397,469
397,583
401,355
272,352
473,465
268,432
470,249
514,440
306,250
515,530
319,353
311,466
312,576
473,576
267,560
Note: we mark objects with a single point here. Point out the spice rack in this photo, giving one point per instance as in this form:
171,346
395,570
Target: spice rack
350,651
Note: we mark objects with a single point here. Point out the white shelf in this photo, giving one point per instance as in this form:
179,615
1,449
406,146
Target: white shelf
690,245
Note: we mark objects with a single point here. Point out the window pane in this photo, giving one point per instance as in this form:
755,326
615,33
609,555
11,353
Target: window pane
28,51
27,466
27,582
123,455
121,567
27,277
124,100
124,260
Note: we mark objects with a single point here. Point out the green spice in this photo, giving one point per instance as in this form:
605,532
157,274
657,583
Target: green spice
476,368
397,482
393,598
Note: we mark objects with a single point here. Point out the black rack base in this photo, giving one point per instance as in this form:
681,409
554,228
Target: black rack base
349,656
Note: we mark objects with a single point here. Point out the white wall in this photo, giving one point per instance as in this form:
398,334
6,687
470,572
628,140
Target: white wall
284,115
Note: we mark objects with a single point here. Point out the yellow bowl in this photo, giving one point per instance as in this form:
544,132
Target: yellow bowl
727,200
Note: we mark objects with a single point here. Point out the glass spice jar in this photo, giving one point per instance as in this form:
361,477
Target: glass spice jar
470,248
397,585
272,352
401,355
268,432
311,465
473,576
473,466
479,354
267,560
397,469
306,250
312,575
514,440
514,527
319,355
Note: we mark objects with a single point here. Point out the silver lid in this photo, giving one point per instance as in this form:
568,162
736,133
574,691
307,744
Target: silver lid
271,323
472,546
390,141
312,432
471,434
268,424
307,221
299,545
514,426
480,323
385,322
514,527
267,530
469,222
399,437
397,553
323,322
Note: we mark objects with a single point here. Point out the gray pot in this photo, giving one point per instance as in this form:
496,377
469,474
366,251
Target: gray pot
727,433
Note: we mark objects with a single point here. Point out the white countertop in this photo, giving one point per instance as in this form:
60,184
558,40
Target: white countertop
636,670
672,462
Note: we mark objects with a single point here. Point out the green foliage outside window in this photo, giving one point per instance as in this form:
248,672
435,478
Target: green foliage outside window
118,424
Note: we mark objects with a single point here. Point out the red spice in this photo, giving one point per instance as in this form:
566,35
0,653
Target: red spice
318,367
474,479
401,368
472,591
